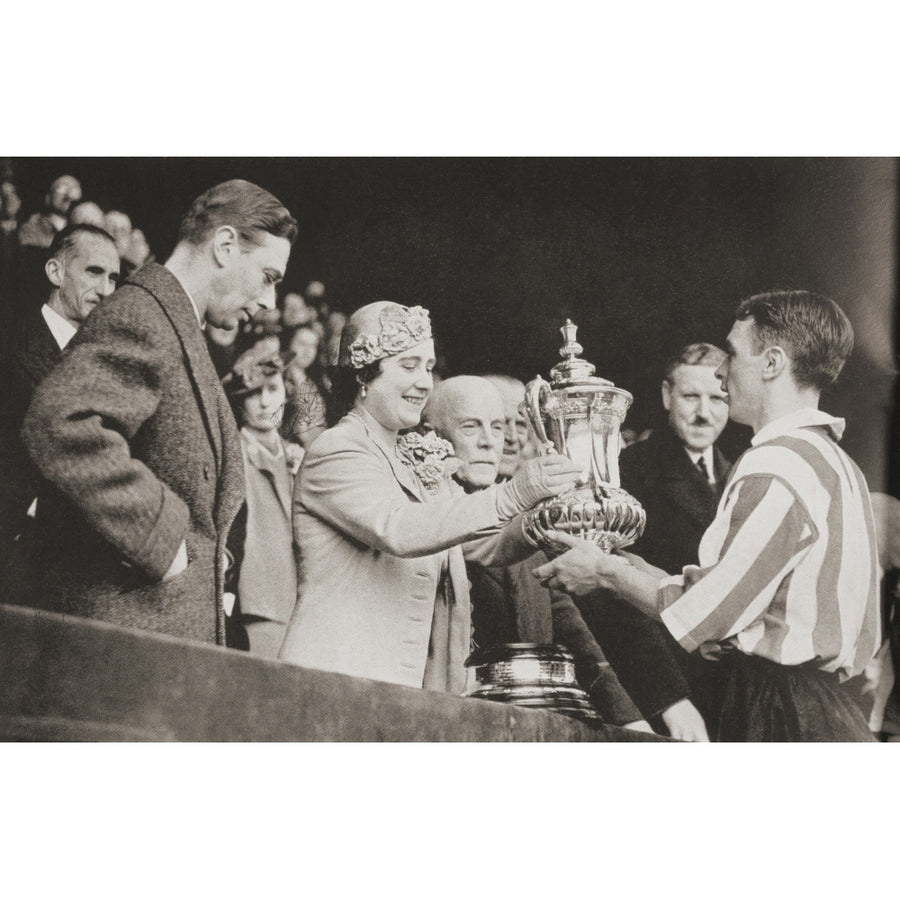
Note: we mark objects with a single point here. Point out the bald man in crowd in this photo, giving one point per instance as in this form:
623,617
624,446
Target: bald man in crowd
41,227
508,606
86,212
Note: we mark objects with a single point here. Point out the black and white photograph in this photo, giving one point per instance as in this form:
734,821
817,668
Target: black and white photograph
431,439
473,426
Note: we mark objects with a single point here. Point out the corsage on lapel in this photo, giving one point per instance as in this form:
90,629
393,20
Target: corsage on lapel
430,457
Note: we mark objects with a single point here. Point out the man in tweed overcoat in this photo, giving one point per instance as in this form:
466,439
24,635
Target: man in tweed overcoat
135,437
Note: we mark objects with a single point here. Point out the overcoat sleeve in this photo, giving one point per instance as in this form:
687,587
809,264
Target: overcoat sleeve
502,548
353,489
85,413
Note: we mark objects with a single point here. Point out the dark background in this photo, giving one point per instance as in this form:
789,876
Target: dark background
644,254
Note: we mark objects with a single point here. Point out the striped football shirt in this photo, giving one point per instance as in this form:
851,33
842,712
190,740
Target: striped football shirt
789,567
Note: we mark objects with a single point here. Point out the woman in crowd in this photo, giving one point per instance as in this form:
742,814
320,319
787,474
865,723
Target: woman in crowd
383,591
305,411
264,577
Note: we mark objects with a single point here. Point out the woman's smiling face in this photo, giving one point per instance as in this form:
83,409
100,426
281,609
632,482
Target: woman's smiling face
396,396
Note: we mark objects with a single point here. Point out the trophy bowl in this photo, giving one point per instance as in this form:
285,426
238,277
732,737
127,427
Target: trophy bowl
580,415
540,676
606,516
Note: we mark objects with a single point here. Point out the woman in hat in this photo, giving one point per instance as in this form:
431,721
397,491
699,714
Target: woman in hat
264,574
380,531
306,410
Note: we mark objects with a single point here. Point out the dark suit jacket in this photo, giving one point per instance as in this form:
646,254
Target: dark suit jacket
509,605
32,352
680,505
134,435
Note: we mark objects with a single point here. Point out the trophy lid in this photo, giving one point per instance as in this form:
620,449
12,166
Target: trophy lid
573,370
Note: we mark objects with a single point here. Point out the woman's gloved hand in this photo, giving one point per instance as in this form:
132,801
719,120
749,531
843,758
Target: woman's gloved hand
543,476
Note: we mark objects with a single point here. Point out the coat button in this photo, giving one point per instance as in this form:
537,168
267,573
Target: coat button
206,471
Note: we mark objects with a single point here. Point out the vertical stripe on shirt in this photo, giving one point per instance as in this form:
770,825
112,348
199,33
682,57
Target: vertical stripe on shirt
788,569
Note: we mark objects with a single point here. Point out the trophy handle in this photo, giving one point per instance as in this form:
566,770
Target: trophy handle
536,392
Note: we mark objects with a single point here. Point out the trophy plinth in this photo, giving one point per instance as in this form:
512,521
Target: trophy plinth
541,676
580,415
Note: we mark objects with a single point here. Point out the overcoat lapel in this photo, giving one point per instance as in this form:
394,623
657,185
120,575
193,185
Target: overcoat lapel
685,486
402,473
40,352
166,289
260,462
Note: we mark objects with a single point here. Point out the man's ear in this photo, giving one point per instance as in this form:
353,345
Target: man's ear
54,271
666,395
225,244
775,362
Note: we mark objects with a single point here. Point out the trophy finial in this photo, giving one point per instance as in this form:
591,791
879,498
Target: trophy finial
570,348
572,368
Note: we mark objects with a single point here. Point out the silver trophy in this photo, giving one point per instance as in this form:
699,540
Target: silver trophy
541,676
580,414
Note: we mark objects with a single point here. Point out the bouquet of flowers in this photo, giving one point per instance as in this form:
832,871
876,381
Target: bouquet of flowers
430,457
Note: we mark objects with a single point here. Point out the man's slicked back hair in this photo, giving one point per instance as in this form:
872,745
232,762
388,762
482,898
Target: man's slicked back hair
245,206
699,354
64,241
812,329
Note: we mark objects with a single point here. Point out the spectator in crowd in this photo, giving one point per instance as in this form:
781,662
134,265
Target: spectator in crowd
34,238
516,440
86,212
10,204
227,346
39,229
469,412
297,312
265,569
306,412
134,435
118,224
383,592
330,350
315,296
677,474
138,251
333,322
786,594
83,268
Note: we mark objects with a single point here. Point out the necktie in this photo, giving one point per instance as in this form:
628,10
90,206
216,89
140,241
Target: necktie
701,465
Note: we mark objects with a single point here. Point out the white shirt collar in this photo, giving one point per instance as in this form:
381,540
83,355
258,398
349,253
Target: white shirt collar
62,329
802,418
193,301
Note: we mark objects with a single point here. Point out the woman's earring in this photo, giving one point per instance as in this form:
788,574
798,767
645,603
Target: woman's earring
362,390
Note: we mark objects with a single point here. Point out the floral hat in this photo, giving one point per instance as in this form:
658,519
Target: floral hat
252,368
382,329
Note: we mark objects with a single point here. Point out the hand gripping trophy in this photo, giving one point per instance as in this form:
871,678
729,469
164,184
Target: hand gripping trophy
580,414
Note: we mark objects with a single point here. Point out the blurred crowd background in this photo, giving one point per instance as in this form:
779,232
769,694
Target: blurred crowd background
642,253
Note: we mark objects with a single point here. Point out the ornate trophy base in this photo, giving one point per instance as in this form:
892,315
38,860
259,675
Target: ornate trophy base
540,676
607,516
